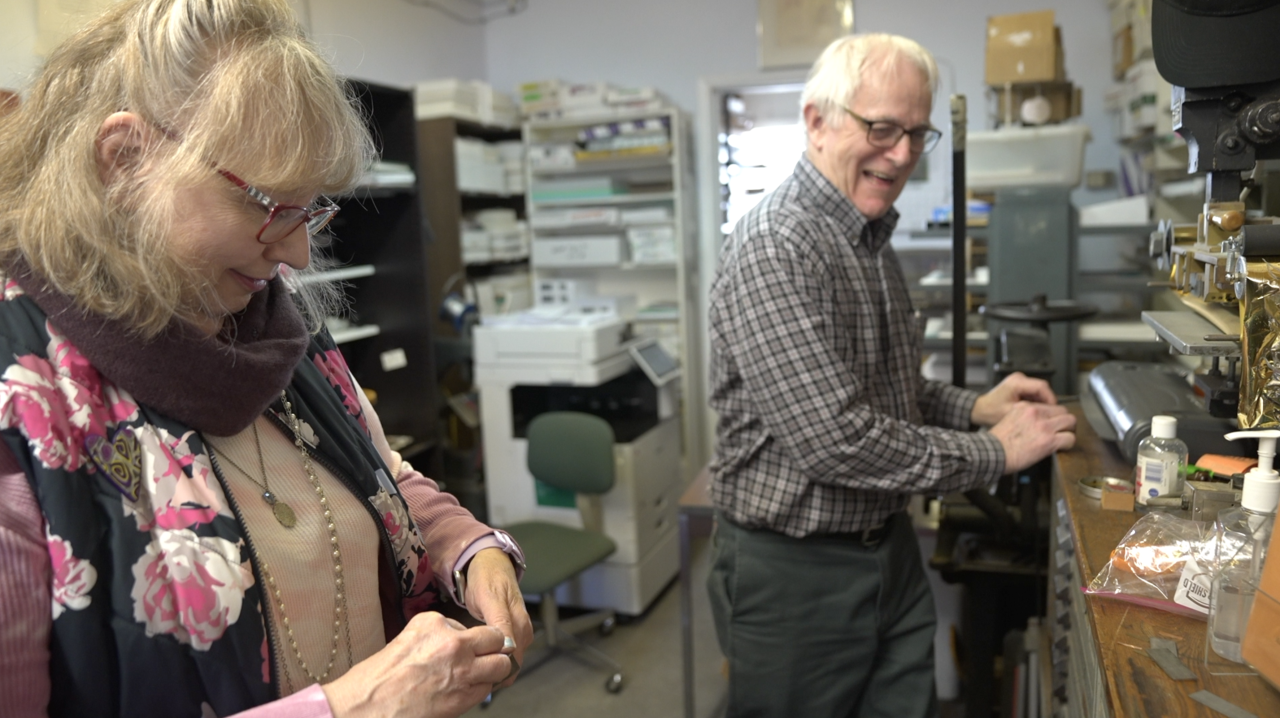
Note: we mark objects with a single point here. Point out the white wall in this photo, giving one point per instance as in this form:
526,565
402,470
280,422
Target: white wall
385,41
956,33
17,42
394,43
665,43
673,43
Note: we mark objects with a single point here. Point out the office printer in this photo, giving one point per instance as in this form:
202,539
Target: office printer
565,360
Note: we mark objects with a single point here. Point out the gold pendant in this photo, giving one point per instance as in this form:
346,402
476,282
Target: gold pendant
284,514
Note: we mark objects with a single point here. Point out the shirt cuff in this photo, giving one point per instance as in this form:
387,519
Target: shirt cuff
310,702
497,539
986,455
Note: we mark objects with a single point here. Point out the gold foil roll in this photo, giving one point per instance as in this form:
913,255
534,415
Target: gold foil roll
1260,346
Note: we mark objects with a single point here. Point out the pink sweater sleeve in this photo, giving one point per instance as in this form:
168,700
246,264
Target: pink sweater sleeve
447,529
26,612
26,609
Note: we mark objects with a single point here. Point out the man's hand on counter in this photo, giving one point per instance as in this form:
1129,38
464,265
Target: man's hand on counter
1030,431
993,406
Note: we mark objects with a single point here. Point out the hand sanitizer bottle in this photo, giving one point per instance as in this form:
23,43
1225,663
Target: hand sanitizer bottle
1243,534
1161,457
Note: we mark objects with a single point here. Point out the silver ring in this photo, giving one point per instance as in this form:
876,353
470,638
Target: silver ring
515,668
508,642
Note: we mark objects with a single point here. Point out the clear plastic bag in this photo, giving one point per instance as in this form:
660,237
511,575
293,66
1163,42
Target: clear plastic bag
1160,555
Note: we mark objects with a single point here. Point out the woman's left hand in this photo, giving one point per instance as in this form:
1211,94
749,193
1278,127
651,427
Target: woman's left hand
493,596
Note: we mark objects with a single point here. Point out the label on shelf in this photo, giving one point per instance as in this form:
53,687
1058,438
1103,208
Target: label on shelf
393,359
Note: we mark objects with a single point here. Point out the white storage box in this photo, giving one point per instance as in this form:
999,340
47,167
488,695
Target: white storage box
589,251
561,292
574,217
645,215
1026,156
516,343
654,244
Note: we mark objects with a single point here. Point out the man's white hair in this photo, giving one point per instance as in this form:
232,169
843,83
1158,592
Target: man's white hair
837,74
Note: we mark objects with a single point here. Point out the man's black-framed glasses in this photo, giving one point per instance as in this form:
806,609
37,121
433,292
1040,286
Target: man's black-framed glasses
886,135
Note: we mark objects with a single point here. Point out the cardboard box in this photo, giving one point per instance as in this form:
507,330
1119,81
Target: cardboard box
1146,101
1064,99
1026,47
1120,13
1121,52
1117,499
1140,24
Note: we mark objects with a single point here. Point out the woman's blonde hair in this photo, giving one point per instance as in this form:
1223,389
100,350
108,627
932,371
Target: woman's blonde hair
837,74
231,82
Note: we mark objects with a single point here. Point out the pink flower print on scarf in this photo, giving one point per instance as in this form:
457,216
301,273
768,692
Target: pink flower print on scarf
60,404
73,577
424,596
181,488
266,658
11,289
405,539
189,586
334,368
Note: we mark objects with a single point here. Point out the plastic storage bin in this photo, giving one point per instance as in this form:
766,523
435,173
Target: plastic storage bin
1026,156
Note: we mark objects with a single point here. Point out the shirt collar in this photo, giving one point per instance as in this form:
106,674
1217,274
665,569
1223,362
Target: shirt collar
823,196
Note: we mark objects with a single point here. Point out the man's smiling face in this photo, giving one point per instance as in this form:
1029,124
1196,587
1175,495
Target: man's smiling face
872,177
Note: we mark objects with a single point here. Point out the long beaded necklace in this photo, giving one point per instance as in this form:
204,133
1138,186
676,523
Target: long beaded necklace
341,626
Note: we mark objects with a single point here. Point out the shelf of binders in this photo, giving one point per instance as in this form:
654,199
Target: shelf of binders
355,333
611,209
608,162
610,200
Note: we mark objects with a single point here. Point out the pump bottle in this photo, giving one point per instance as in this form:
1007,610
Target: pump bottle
1243,534
1161,457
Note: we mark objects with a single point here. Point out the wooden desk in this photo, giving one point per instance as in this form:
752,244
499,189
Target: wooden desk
696,517
1121,632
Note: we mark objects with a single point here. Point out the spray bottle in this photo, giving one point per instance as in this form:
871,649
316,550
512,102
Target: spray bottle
1243,534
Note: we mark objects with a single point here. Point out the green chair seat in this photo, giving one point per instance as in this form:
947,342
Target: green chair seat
557,553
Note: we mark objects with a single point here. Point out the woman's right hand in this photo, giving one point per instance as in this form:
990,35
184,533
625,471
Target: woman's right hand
435,668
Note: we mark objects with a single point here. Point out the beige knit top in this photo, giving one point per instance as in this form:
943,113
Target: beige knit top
298,557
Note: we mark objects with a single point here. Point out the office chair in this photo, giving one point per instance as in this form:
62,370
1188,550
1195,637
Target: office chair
572,451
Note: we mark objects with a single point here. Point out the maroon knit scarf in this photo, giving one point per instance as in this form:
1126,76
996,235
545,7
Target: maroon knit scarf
213,384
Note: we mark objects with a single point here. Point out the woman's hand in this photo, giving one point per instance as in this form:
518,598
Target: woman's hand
435,668
493,596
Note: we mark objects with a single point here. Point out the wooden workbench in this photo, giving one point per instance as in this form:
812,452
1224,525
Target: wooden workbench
1121,632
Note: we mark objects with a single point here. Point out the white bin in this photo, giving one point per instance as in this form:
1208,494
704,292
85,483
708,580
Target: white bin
1025,157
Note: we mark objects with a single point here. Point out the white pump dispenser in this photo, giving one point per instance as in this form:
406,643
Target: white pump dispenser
1261,483
1242,537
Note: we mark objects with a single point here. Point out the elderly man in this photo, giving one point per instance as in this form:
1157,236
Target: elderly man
825,425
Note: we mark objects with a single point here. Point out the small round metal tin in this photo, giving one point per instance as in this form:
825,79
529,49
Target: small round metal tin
1092,486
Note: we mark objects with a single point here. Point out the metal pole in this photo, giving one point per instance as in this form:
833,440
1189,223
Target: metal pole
686,614
959,220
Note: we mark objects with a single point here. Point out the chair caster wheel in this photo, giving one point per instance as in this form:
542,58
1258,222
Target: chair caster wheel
614,684
607,626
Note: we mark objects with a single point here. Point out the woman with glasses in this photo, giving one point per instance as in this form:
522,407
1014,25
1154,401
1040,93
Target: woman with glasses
199,512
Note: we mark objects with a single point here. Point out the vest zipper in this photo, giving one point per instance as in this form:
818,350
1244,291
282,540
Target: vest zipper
265,605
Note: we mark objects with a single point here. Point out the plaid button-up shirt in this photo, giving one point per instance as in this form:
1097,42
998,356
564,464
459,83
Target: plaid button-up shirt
825,423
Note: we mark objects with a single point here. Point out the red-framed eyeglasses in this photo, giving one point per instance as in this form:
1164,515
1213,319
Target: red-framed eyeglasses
283,219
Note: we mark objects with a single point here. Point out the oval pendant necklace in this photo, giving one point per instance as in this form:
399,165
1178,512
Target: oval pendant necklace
282,511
